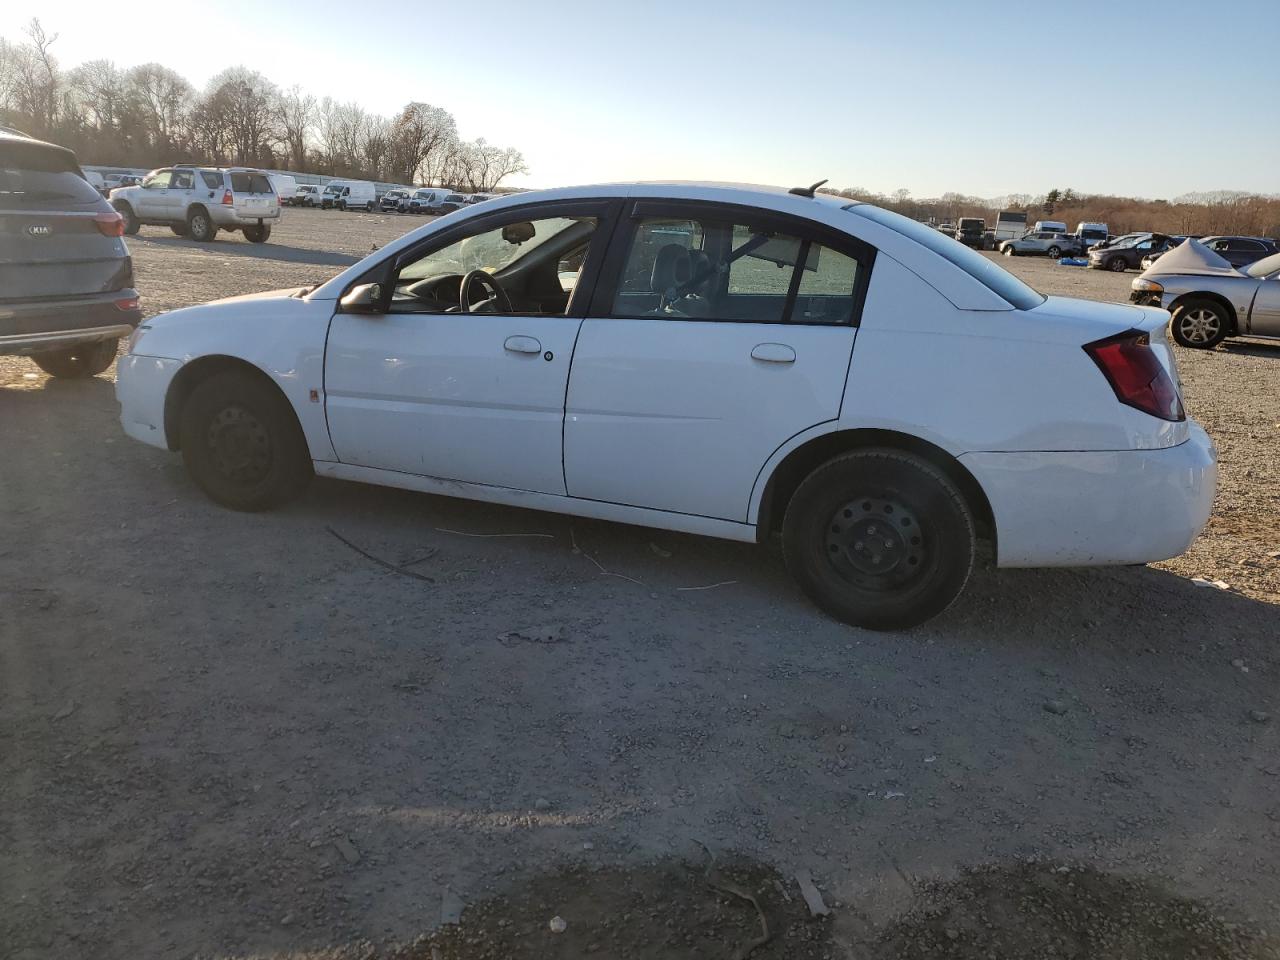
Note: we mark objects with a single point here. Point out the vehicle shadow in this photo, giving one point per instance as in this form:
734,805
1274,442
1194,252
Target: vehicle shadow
1124,611
255,251
1251,348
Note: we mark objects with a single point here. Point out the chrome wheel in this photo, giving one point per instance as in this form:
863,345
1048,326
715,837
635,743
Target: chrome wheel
876,543
1200,325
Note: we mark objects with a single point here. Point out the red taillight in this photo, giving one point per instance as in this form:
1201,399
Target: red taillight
127,303
1136,374
109,224
227,199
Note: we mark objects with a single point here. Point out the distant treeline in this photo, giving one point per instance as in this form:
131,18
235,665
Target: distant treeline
149,115
1201,214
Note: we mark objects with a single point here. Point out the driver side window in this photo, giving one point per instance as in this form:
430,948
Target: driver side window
520,267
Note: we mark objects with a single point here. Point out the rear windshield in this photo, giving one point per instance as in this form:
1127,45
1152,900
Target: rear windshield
1094,234
987,272
250,183
35,177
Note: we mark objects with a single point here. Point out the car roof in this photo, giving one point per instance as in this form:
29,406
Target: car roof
963,289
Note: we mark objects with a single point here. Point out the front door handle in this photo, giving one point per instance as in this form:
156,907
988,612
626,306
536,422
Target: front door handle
523,345
773,353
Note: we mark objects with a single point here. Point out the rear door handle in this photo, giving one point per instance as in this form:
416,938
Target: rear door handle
773,353
523,345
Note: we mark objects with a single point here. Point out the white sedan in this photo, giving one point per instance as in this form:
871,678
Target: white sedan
730,361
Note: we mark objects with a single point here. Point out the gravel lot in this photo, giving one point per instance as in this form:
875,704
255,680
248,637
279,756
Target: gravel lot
231,735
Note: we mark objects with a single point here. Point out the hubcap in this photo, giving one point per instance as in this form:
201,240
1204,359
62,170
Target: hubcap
1199,326
876,543
241,445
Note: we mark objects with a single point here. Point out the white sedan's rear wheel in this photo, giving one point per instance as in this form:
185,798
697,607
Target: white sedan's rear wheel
879,538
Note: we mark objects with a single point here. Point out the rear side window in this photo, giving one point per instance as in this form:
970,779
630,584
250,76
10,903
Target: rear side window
990,274
212,179
242,182
696,269
35,177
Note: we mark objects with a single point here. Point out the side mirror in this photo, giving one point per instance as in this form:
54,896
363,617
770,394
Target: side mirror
365,298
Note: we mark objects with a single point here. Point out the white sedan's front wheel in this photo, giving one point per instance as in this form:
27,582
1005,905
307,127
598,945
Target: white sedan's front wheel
242,444
879,538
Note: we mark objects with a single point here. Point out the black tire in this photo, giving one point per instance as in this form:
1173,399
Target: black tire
891,502
1009,251
80,362
1055,253
131,224
369,207
242,444
1200,324
200,226
258,234
179,229
341,205
1117,265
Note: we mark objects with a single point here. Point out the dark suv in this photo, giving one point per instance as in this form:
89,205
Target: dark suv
1240,251
1127,252
969,231
66,280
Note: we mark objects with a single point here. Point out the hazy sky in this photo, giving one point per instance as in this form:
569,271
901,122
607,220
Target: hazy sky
986,98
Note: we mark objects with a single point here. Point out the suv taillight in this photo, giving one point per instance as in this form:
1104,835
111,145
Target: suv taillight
1136,374
109,224
227,199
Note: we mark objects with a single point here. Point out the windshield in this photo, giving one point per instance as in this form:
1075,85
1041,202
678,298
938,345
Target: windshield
1094,234
1264,267
987,272
333,188
487,251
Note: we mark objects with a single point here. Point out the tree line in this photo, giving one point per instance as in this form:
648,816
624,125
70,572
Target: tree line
1223,212
150,115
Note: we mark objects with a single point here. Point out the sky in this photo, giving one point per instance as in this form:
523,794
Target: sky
983,98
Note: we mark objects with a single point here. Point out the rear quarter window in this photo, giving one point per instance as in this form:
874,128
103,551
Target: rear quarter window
36,177
212,179
987,272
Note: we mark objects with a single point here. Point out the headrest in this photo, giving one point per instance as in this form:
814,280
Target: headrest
670,268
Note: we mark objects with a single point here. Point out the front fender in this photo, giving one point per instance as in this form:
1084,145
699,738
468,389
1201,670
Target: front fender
282,336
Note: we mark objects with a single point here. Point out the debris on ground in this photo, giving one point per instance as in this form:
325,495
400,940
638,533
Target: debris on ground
812,897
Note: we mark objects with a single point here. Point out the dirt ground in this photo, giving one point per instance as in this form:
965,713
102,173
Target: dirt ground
227,735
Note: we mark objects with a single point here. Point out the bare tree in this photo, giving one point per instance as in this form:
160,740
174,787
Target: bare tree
295,116
420,136
245,99
162,99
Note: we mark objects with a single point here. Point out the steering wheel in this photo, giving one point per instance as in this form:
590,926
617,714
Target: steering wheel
485,280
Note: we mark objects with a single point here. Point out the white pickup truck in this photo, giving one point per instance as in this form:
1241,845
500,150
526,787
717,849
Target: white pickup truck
197,202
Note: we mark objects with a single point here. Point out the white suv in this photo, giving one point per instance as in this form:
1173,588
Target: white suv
199,201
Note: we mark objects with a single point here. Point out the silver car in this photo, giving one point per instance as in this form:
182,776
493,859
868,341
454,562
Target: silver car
1042,243
1209,298
197,202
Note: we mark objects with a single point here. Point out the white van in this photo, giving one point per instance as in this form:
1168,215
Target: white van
426,199
349,195
1091,234
285,186
307,195
1049,226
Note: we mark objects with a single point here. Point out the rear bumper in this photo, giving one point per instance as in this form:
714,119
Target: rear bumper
229,219
41,325
1104,507
142,384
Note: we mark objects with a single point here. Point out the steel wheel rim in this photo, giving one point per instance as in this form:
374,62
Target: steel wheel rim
1199,326
240,445
876,543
